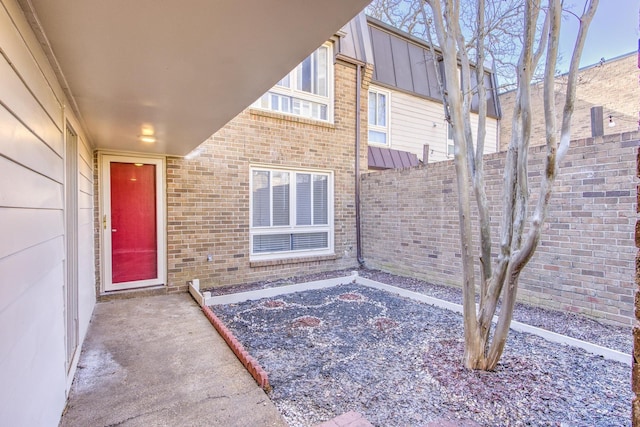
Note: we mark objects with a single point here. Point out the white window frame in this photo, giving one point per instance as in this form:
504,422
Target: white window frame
292,228
289,93
450,148
377,128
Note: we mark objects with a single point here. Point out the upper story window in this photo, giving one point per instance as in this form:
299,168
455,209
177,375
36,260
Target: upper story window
378,116
291,213
450,145
307,91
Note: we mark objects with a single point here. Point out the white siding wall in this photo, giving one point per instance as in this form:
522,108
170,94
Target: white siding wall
32,229
417,121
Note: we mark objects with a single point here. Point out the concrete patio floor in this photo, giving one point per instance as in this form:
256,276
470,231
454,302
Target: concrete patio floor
157,361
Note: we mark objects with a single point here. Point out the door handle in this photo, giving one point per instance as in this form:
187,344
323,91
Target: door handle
113,230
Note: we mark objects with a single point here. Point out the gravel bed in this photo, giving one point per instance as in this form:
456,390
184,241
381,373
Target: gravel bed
614,337
398,362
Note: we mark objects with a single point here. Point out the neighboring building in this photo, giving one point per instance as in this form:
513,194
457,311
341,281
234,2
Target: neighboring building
611,84
405,104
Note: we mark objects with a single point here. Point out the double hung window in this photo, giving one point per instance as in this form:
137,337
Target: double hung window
291,213
450,145
307,91
378,116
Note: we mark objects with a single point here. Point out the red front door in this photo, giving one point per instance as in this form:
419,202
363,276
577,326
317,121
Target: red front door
134,240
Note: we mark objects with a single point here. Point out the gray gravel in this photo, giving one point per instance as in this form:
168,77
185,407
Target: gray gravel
397,362
614,337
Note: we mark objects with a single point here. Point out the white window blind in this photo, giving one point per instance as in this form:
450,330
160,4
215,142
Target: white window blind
291,213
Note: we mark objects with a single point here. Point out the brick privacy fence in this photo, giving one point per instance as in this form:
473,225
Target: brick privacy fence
585,260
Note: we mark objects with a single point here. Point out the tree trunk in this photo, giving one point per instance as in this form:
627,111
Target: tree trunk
483,351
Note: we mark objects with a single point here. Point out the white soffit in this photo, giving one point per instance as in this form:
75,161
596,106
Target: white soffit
184,68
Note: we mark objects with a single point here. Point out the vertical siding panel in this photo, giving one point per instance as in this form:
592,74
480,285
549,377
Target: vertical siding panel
402,64
383,57
419,70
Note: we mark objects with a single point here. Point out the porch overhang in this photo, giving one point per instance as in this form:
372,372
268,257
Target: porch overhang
177,69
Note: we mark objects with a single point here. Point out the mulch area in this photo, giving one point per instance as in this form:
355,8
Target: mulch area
398,362
610,336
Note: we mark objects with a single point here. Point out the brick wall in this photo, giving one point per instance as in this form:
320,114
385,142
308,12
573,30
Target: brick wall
612,85
585,261
208,196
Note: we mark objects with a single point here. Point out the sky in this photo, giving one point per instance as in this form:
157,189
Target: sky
613,32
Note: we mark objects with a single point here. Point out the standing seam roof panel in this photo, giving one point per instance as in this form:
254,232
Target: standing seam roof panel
402,64
395,65
383,70
419,66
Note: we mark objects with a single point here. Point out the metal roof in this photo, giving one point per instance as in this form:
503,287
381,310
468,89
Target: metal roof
355,42
407,63
388,158
403,62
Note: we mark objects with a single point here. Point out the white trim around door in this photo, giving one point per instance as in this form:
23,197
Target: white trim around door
105,161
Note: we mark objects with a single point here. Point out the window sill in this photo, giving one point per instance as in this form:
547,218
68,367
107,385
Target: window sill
284,261
291,118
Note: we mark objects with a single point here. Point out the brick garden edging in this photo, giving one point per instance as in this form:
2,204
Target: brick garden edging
238,349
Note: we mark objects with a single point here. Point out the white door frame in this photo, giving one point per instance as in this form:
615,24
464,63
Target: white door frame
104,160
71,245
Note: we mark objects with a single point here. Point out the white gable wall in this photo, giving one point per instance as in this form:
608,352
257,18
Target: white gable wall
33,370
415,121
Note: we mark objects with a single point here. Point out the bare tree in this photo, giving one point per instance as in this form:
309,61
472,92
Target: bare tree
519,229
502,29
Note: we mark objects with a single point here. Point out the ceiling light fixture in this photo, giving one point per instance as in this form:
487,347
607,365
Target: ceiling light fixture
147,138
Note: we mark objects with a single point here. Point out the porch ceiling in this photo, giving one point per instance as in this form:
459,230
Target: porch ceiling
183,68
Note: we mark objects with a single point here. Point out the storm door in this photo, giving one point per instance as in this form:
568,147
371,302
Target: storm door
132,222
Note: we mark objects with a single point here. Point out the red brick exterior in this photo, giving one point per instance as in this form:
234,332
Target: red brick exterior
586,258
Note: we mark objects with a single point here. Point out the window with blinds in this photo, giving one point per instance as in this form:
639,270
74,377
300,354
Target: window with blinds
291,213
